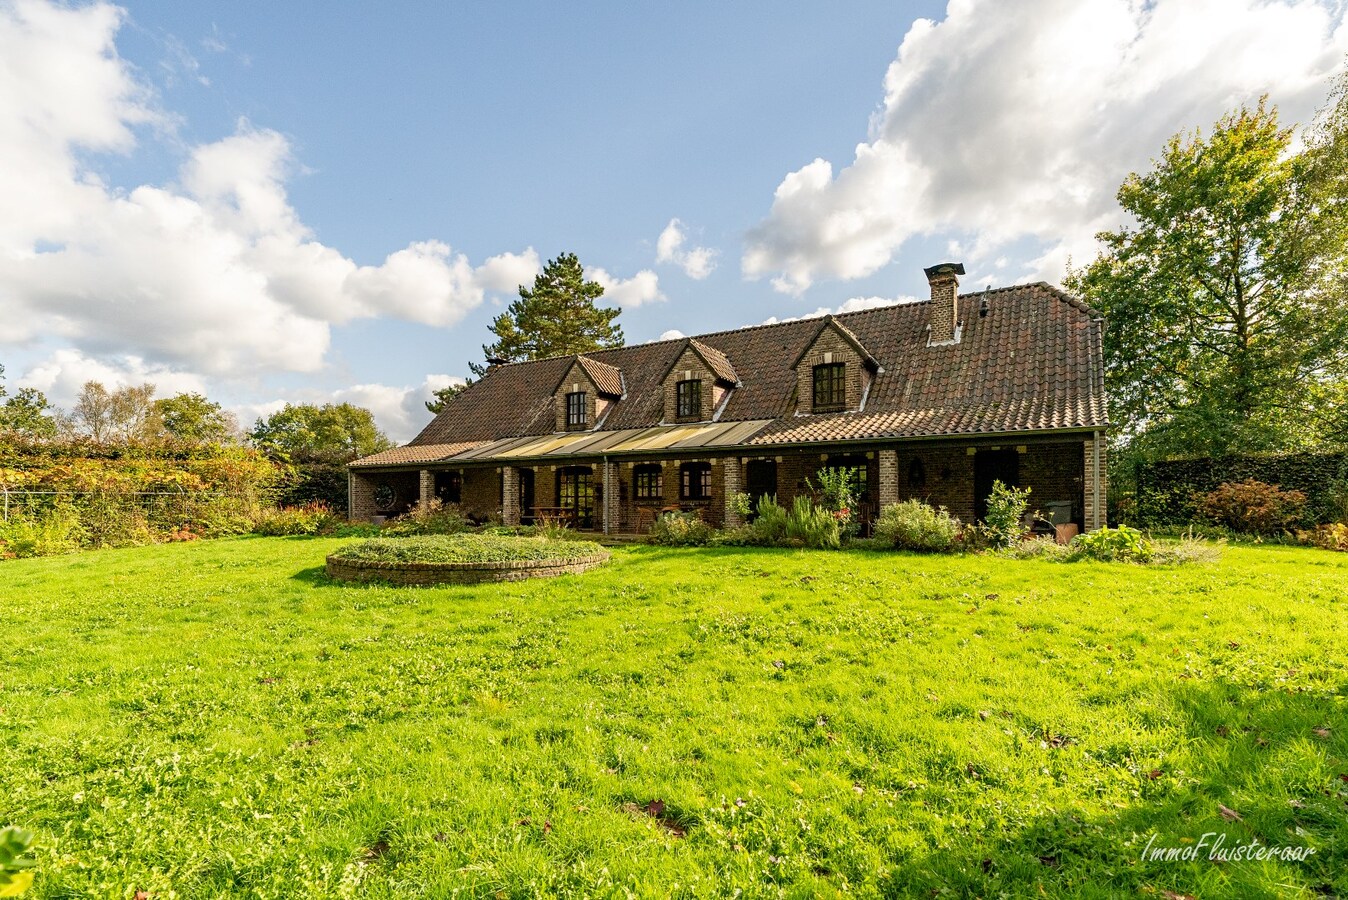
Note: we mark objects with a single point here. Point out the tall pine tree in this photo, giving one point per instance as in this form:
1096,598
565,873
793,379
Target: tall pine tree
558,317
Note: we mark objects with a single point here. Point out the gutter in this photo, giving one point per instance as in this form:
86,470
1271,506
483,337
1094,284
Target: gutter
733,449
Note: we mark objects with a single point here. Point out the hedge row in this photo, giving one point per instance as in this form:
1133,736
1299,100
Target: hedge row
1167,490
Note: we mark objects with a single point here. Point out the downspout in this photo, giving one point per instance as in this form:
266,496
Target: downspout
607,486
1095,479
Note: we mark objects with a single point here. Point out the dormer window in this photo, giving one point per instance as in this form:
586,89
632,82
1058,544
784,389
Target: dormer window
688,399
830,387
575,410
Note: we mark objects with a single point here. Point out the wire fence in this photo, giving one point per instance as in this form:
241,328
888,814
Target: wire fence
153,504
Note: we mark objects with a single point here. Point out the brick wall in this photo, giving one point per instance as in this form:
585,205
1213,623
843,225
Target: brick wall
1095,515
510,495
481,492
577,380
830,347
359,497
690,367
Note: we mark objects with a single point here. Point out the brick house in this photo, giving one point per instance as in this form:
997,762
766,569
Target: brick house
932,400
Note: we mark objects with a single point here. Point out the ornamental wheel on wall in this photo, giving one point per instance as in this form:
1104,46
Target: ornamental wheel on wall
385,497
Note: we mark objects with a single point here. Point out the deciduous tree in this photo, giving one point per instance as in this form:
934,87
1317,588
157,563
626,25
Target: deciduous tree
332,431
1226,325
192,418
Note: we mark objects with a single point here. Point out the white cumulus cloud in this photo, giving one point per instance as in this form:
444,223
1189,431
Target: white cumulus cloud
1018,121
215,272
643,287
696,262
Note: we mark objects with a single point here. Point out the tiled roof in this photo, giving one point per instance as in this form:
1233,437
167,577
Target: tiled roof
415,453
719,363
607,379
1032,363
831,321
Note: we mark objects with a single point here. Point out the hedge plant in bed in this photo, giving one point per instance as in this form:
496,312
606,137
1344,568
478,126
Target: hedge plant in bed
462,559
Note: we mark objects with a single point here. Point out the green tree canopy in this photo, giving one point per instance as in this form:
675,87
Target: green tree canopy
332,431
27,412
192,418
557,317
1226,324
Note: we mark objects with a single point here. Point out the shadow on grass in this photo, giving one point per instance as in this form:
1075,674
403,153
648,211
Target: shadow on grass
1253,766
316,576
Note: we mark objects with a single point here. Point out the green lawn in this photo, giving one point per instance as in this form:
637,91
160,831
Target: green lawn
219,719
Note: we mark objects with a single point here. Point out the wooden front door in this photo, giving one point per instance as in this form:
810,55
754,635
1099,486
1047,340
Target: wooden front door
990,466
575,494
760,480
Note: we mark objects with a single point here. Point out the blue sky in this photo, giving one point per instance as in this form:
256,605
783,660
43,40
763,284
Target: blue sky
311,202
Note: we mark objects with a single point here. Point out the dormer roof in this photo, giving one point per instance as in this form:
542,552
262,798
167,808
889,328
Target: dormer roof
607,380
714,359
831,321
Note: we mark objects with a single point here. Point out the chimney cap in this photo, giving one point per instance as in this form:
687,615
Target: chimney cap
950,268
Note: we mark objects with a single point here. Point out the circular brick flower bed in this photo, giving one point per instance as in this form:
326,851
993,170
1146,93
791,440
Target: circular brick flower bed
461,559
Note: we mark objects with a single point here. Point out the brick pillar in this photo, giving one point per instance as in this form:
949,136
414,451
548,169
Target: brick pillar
359,497
889,478
1095,483
510,495
427,492
612,512
734,483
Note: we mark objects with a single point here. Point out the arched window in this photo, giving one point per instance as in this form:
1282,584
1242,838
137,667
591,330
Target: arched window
695,481
917,475
648,482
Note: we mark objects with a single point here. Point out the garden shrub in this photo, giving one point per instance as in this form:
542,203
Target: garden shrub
677,529
837,496
1327,537
768,529
48,531
433,517
1167,491
1109,544
1253,507
311,518
1006,514
811,526
914,525
464,548
129,494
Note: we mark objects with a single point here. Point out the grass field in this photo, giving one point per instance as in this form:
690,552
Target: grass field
218,719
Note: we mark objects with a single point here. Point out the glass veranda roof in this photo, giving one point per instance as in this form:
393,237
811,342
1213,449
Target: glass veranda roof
627,440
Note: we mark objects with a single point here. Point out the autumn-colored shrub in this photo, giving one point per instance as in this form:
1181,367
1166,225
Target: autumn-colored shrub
1327,537
1253,507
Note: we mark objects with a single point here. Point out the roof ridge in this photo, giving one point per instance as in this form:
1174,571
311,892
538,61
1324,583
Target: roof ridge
1057,292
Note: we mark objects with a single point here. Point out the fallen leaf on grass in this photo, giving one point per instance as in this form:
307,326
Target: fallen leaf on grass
1321,733
1229,814
1171,895
547,826
1155,774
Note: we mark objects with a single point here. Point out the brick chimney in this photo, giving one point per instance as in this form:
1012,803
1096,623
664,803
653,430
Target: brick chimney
943,322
